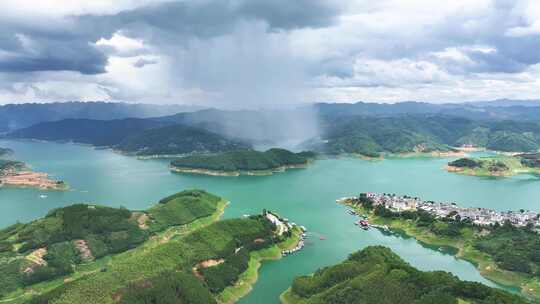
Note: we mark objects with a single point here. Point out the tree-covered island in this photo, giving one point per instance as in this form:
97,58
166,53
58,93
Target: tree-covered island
505,246
376,275
497,165
174,252
248,162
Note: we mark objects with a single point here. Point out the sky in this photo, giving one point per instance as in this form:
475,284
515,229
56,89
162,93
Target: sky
253,53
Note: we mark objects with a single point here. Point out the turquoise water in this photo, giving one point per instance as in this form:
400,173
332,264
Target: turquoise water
306,197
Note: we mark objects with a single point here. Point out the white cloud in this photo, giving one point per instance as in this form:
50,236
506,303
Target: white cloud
386,50
520,31
122,45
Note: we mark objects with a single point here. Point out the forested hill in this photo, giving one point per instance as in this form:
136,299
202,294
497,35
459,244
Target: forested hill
244,160
132,135
55,245
219,131
174,252
18,116
178,139
256,126
87,131
423,133
377,275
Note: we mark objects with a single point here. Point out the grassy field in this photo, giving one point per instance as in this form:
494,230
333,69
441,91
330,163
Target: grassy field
464,250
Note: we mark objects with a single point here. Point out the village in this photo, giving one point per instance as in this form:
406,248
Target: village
283,226
478,216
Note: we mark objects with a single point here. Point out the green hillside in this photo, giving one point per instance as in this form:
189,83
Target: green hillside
55,245
496,165
87,131
247,160
178,139
377,275
372,136
164,273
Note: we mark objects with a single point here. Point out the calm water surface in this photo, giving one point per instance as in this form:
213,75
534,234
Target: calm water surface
306,197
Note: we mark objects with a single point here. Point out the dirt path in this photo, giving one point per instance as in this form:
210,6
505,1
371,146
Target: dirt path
84,251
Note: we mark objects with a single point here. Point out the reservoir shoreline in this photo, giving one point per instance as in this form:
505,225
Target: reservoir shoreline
460,247
108,178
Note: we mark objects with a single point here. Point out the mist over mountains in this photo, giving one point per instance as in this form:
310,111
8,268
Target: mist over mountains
364,128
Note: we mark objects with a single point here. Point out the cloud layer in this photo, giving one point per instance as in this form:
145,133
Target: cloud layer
252,53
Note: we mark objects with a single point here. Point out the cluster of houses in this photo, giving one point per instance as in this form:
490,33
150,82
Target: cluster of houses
478,216
283,225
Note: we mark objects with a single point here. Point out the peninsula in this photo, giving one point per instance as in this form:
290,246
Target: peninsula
16,174
497,165
175,250
245,162
377,275
503,245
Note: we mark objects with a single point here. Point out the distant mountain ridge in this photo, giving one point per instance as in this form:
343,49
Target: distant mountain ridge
485,110
507,103
87,131
132,135
17,116
364,128
371,136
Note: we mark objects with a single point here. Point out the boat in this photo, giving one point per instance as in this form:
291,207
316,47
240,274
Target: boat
363,223
322,238
43,196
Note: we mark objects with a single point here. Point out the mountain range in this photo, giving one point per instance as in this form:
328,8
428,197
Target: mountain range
362,128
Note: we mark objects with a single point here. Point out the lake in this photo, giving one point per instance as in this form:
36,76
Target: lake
305,196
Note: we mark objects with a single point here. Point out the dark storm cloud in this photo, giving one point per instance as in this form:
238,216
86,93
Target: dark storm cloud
55,55
176,22
71,47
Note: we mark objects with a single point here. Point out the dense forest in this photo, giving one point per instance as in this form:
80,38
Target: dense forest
400,134
132,135
511,248
365,129
247,160
52,246
173,271
465,163
377,275
178,139
87,131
